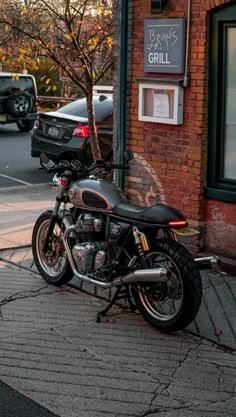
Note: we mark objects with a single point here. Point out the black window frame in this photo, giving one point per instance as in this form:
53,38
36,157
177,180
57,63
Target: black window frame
218,187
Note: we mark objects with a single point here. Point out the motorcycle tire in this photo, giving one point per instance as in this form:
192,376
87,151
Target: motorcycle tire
53,265
173,305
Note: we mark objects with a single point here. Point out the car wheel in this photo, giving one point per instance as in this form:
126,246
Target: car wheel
25,125
19,103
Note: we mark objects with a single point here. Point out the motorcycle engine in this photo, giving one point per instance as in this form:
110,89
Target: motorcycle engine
90,254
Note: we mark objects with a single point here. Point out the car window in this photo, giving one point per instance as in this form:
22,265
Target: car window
22,83
102,107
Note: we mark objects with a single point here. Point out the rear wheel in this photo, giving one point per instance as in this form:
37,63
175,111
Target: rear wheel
52,265
172,305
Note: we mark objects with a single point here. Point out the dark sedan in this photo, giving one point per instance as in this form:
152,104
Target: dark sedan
64,133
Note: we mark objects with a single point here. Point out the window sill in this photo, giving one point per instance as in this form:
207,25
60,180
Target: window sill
222,195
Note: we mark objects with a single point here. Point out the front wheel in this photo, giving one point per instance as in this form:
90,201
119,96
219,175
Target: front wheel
52,265
173,305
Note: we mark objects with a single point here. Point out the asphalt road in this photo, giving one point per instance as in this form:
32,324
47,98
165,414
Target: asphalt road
17,167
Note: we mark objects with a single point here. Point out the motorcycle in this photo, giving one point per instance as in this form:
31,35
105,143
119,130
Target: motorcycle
92,232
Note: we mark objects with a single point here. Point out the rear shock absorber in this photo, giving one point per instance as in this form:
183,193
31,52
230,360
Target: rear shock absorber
141,242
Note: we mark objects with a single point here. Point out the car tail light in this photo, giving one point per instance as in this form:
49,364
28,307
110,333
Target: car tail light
36,101
37,121
82,131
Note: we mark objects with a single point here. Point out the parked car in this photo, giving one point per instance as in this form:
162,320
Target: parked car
64,133
18,100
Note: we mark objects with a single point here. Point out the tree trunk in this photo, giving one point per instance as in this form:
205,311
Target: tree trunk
92,127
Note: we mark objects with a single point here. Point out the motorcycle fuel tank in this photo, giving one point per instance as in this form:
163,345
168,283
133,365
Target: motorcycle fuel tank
96,195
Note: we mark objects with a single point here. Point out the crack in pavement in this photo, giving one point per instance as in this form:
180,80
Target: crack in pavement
27,294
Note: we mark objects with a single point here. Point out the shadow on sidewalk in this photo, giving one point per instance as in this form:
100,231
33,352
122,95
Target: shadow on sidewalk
14,404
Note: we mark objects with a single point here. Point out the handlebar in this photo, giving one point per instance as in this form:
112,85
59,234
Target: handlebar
81,170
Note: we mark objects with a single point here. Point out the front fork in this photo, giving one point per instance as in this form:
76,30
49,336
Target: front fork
54,217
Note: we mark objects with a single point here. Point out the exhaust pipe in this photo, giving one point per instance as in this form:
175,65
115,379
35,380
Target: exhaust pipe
141,275
209,262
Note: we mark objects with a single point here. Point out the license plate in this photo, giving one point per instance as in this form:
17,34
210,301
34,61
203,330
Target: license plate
53,131
187,231
3,117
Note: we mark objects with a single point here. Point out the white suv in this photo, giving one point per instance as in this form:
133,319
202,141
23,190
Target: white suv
18,100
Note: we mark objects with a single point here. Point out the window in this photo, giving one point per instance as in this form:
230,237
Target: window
222,106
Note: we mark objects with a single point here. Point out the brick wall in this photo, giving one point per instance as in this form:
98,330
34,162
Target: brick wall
171,161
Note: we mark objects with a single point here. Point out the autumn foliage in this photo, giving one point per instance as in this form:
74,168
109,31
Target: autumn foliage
75,35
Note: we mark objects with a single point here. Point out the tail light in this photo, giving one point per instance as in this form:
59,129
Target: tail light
178,223
82,131
37,121
36,101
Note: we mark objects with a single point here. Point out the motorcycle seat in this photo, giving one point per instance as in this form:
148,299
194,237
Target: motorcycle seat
160,213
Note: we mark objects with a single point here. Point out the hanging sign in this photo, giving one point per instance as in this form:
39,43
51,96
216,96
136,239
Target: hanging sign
164,41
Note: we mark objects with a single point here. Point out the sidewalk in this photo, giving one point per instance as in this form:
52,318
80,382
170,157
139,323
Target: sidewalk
20,207
54,353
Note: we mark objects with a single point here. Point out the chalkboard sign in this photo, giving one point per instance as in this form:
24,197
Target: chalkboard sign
164,45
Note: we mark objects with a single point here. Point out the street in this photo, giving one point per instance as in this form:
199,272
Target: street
17,167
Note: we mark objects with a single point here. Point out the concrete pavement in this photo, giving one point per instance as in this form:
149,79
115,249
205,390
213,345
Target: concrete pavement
53,352
20,207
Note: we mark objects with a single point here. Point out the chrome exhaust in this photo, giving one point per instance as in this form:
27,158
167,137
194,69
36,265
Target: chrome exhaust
141,275
209,262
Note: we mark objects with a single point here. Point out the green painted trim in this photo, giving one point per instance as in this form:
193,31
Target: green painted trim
123,75
218,187
219,194
160,80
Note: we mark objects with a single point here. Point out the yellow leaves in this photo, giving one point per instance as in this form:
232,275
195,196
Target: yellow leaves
109,41
67,36
48,80
51,87
15,77
7,27
103,12
93,42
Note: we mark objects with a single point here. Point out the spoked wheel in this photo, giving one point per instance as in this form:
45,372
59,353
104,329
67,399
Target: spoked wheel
52,265
172,305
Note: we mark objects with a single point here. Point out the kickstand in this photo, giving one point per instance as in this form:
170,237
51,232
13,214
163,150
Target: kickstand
132,305
121,293
104,312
